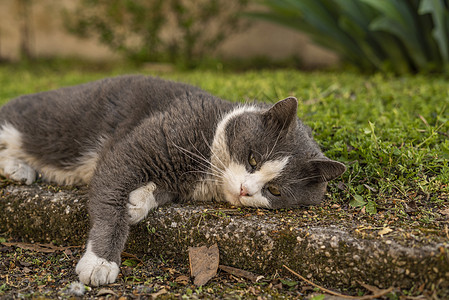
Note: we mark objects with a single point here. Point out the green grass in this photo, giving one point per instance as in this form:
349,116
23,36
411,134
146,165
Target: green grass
392,132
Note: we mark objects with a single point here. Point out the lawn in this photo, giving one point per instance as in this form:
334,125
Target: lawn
391,132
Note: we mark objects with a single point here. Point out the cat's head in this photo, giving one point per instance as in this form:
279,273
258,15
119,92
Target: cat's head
270,158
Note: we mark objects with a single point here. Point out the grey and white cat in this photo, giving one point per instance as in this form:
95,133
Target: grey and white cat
140,142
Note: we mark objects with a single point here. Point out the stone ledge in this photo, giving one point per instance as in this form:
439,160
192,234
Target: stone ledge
332,256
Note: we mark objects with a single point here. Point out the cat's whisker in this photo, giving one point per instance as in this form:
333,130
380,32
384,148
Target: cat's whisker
215,181
207,172
257,152
304,179
210,169
289,190
282,153
275,142
212,180
203,161
213,153
199,162
201,172
217,157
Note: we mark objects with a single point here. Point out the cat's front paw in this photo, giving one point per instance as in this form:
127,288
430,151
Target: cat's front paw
140,202
94,270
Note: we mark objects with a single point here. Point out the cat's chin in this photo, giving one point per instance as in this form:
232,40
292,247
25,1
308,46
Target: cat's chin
238,200
233,199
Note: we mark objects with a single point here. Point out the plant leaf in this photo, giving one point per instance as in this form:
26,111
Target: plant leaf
357,201
289,283
397,18
440,17
371,207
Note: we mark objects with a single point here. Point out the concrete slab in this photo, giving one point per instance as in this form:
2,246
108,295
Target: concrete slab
332,254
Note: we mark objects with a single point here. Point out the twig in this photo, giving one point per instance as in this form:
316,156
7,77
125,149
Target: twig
380,294
240,273
45,248
126,254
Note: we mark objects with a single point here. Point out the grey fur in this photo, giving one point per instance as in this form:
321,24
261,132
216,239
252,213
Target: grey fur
161,131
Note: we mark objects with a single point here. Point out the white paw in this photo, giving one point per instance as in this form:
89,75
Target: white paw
19,171
94,270
141,200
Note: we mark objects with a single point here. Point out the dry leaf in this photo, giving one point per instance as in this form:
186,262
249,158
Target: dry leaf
445,211
104,292
203,263
183,279
384,231
171,270
161,292
240,273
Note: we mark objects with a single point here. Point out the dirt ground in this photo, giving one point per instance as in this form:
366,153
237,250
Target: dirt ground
49,273
38,271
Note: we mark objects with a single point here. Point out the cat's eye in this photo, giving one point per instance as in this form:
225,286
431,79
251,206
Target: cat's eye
274,190
252,161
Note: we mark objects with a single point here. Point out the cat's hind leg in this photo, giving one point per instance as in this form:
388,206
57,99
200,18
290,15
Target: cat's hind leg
12,164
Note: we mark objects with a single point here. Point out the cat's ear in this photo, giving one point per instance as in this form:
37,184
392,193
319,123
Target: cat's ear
283,113
324,169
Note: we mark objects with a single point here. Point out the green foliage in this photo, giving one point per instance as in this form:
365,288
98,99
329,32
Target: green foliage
392,133
289,283
3,288
130,262
157,30
399,36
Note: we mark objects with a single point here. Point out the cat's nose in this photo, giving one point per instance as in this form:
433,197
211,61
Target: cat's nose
244,191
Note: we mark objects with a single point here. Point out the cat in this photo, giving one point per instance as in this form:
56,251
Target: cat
140,142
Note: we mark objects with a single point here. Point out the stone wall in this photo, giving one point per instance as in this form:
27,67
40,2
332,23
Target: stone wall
47,37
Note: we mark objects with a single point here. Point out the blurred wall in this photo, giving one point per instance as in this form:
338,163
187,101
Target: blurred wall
47,37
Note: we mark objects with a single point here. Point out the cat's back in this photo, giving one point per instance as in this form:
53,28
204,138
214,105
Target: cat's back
111,100
62,127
